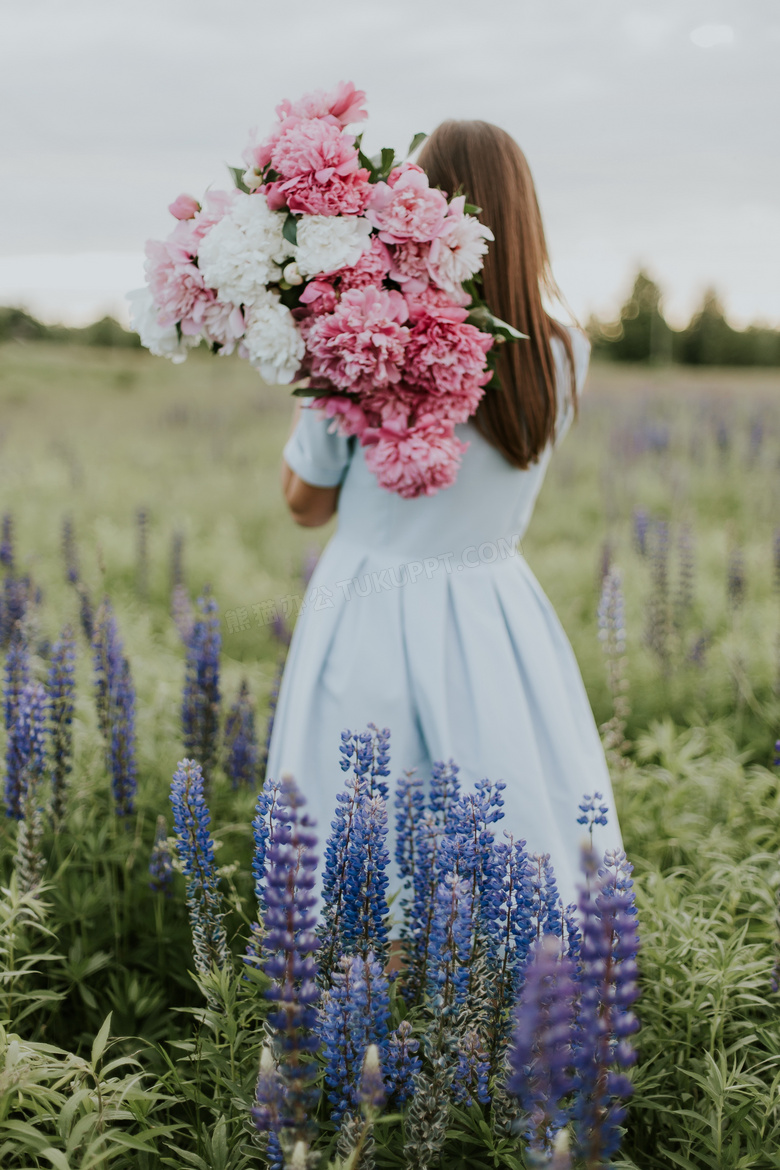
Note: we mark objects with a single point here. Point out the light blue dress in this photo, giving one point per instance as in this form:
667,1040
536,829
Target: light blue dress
423,616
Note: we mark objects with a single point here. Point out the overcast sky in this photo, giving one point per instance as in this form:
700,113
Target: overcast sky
651,127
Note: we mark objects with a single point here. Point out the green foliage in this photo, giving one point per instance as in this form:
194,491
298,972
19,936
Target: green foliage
169,1081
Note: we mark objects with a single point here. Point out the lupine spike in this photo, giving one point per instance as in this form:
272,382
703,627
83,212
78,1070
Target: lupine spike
541,1055
546,908
241,751
444,789
7,542
288,946
16,675
160,861
368,754
142,552
195,849
62,688
402,1062
657,630
471,1073
122,756
450,946
202,699
69,551
262,825
26,748
735,583
28,742
612,635
605,1021
354,1015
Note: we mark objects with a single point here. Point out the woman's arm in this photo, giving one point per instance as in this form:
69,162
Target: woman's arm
309,506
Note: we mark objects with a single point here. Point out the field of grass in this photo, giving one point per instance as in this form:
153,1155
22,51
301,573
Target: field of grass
687,462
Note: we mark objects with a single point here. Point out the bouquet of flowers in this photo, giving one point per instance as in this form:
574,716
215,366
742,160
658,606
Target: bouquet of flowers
348,275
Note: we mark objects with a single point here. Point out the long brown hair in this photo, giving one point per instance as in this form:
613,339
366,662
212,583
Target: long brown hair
488,166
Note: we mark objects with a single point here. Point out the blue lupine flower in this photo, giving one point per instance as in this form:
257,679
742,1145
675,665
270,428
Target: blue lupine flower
108,655
368,754
371,1088
160,861
364,914
69,553
86,612
16,676
419,920
26,748
641,526
541,1054
7,542
17,597
546,902
605,1021
450,945
402,1063
240,740
471,1072
410,805
273,699
268,1110
262,824
288,945
195,848
593,813
510,929
201,699
122,755
337,875
354,1014
62,687
444,790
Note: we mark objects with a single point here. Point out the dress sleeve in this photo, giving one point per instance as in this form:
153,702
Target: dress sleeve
581,350
316,454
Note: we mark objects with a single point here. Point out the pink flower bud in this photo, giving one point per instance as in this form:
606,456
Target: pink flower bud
185,207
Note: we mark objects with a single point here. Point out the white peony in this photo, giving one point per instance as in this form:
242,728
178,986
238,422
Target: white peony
457,254
328,242
245,250
161,340
272,340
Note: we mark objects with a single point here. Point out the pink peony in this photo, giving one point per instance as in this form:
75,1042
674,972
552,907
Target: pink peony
372,267
361,344
409,266
446,357
350,415
305,195
345,104
314,147
184,207
175,281
222,325
458,251
417,461
319,296
434,302
409,209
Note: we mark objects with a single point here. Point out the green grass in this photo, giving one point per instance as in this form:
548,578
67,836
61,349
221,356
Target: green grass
97,434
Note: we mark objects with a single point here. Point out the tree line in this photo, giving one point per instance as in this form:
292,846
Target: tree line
642,334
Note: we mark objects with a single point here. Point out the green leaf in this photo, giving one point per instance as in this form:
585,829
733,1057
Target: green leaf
238,179
290,229
482,317
471,209
100,1041
369,165
418,139
387,159
57,1158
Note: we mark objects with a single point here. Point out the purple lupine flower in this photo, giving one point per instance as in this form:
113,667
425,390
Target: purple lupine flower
201,698
698,651
641,521
592,812
468,848
685,575
26,748
262,823
471,1072
545,900
241,751
273,699
540,1055
418,922
69,552
160,861
122,754
368,754
86,612
7,542
410,805
605,1021
338,872
142,552
16,675
182,613
511,931
62,687
288,946
402,1062
371,1090
444,789
107,652
17,597
450,945
354,1015
735,582
195,849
